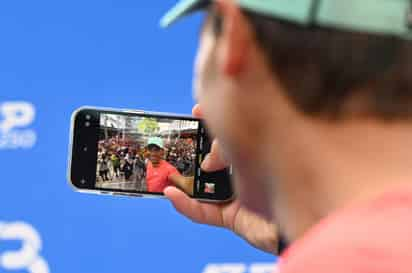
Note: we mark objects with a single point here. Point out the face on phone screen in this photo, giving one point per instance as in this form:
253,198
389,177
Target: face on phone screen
145,154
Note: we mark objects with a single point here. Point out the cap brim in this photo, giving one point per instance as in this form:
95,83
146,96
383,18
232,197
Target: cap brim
152,144
181,9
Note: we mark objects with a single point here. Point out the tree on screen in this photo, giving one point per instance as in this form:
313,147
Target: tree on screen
148,126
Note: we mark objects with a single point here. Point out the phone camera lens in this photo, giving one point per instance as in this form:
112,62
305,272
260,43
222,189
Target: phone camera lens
83,181
88,117
87,124
85,149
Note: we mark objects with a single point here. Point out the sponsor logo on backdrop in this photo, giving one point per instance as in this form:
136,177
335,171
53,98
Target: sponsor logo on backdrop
15,120
27,258
240,268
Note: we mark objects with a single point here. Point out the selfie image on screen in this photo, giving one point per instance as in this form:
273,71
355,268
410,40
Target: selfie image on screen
146,154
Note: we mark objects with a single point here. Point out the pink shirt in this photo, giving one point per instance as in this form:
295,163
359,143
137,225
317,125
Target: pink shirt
373,237
158,178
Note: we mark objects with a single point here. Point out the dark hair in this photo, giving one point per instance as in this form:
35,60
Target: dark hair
321,69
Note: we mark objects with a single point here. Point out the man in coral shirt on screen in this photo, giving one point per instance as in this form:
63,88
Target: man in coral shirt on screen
311,101
160,173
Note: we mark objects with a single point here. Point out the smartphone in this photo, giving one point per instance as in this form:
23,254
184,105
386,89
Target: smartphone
138,153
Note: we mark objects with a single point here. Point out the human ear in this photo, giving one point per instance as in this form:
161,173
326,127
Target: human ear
234,40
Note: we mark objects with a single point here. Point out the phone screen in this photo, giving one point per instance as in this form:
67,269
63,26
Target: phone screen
146,154
127,152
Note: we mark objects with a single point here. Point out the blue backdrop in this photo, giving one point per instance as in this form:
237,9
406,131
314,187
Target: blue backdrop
54,57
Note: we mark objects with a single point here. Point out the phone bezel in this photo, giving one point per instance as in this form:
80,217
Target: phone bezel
201,138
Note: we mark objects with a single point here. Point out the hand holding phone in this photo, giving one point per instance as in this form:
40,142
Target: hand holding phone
251,227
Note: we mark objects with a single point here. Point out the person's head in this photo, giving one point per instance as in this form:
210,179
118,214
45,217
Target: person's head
278,94
155,149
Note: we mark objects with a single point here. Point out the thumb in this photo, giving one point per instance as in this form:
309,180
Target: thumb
214,161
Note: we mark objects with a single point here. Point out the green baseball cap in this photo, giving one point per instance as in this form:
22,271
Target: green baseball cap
155,141
385,17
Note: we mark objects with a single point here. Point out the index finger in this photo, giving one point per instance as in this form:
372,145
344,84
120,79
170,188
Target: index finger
203,213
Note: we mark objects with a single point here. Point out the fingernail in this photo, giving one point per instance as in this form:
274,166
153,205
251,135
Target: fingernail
206,162
165,190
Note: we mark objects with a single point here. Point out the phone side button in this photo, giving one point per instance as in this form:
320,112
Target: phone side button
201,144
135,195
128,194
135,111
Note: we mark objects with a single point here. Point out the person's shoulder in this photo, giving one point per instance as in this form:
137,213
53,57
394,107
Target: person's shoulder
372,237
168,165
165,163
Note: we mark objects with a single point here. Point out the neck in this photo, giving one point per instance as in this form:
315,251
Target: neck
338,164
155,165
